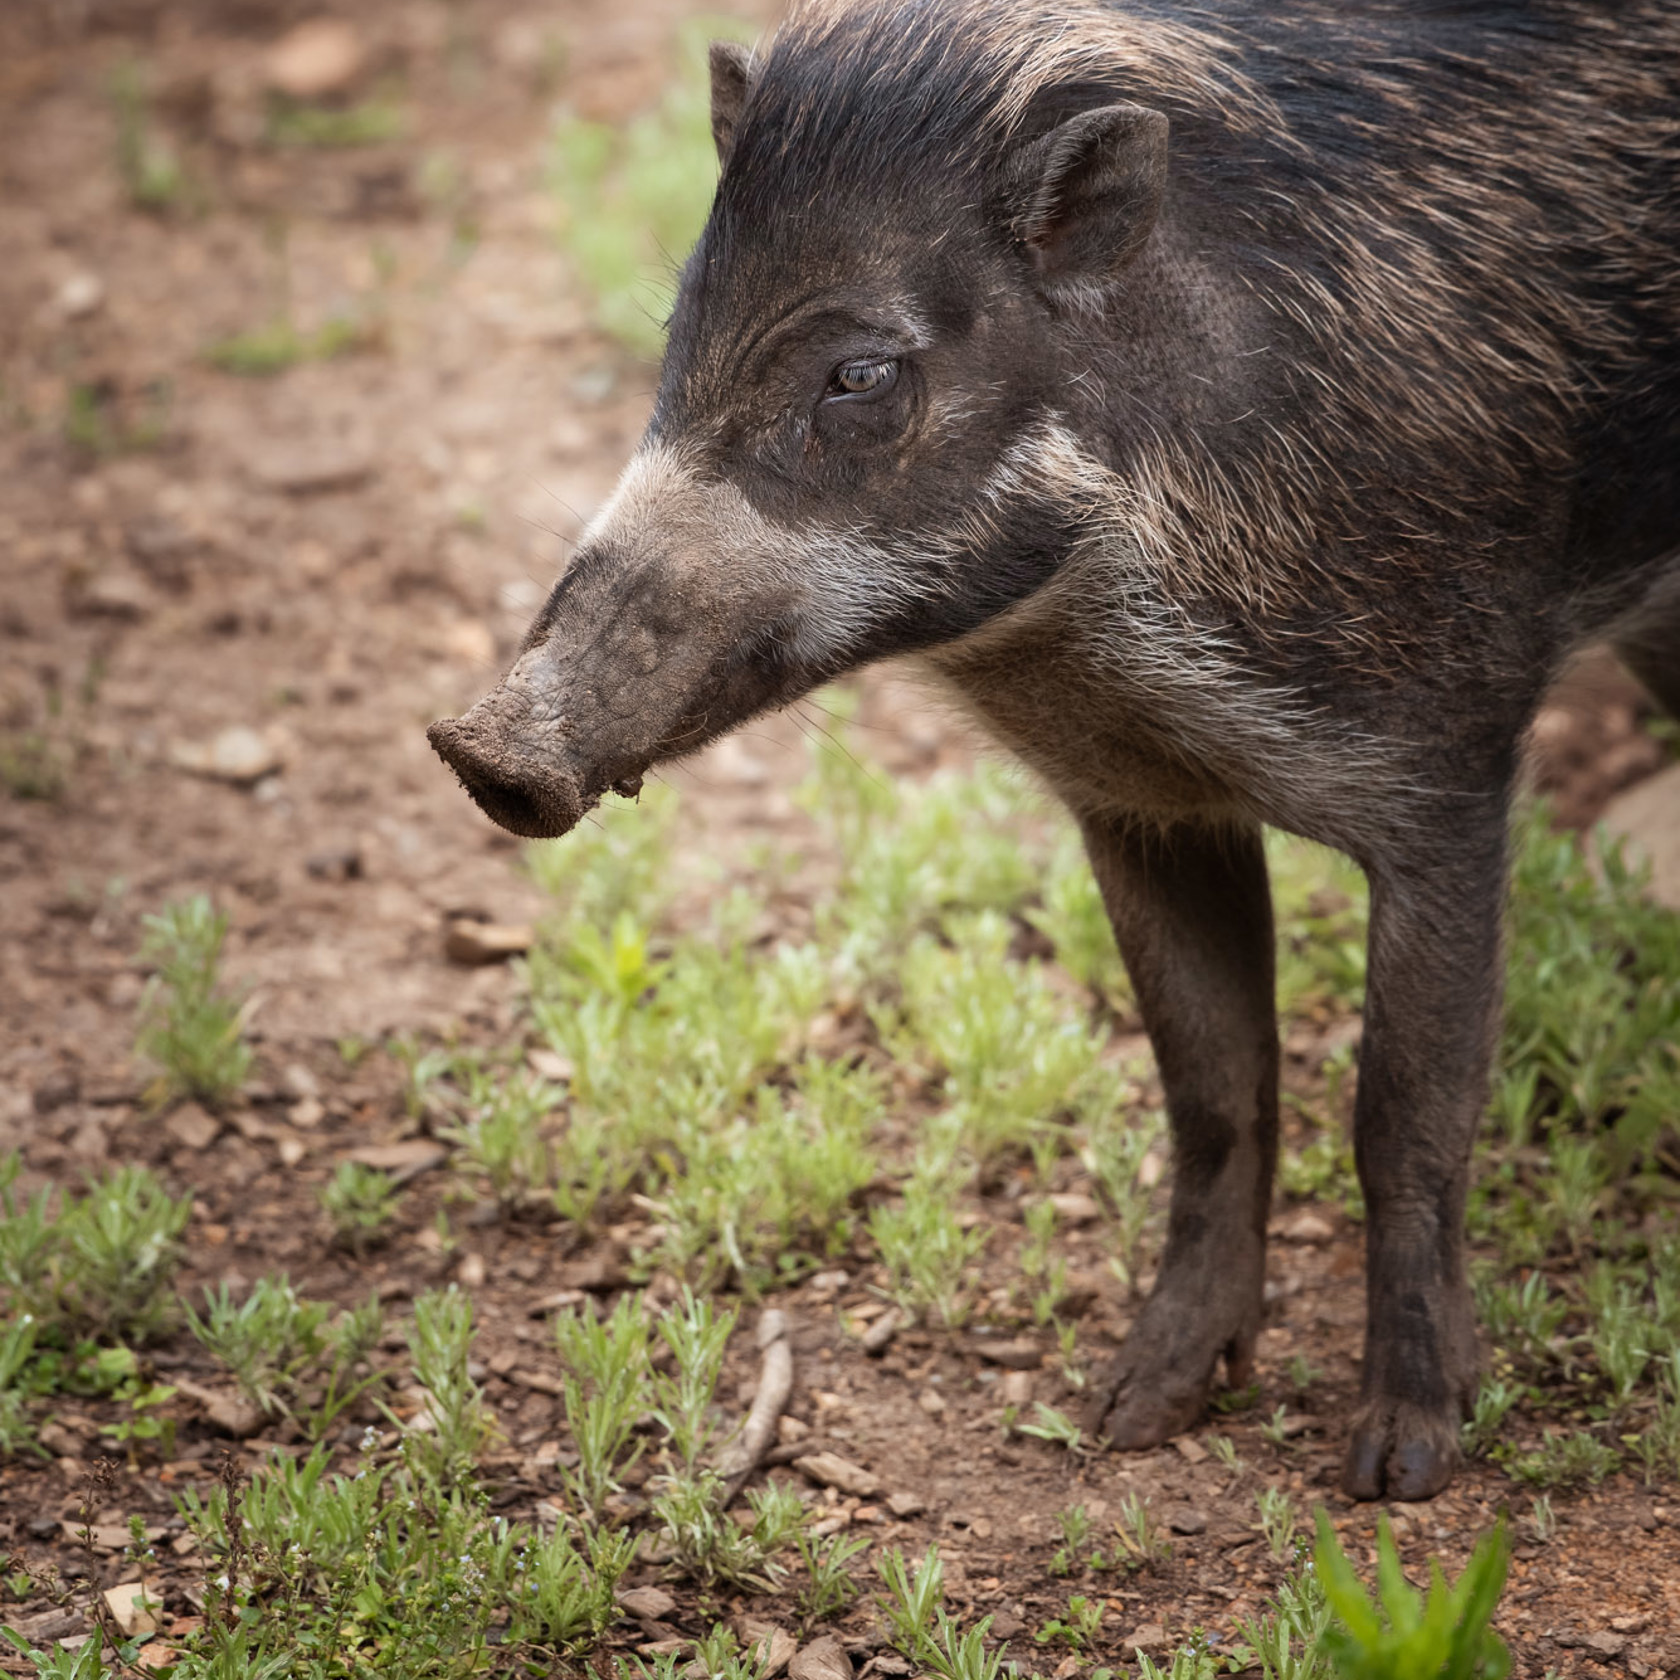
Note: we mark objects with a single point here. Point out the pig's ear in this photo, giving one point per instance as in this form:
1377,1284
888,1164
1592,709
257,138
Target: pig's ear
731,70
1088,192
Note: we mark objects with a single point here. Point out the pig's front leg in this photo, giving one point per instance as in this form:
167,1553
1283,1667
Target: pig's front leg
1191,908
1431,1014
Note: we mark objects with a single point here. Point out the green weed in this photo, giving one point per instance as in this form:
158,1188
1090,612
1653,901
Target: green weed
1563,1459
1319,900
1591,1002
711,1547
914,1599
102,420
829,1587
189,1026
926,1249
1077,1627
264,352
1404,1635
1113,1152
562,1594
455,1425
606,1389
1287,1641
1141,1534
1073,917
1482,1430
17,1348
151,171
1075,1524
370,122
111,1255
1051,1425
291,1356
361,1202
34,764
1277,1522
504,1139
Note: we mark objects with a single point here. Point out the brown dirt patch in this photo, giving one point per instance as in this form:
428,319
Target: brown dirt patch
337,555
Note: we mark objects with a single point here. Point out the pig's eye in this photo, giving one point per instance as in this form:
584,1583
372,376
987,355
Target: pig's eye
861,381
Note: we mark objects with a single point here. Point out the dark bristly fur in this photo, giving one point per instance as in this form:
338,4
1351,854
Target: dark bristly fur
1274,397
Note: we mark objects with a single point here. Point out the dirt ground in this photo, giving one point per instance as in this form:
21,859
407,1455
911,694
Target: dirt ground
332,557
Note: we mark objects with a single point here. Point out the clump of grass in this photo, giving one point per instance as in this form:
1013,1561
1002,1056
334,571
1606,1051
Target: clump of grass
1112,1152
266,351
1494,1400
1287,1640
914,1599
503,1140
1141,1533
1073,917
289,1355
361,1202
17,1348
1077,1627
102,420
829,1587
920,1626
1075,1524
101,1267
457,1424
1564,1458
1014,1054
1277,1522
190,1027
81,1277
1051,1425
702,1538
606,1388
710,1546
34,764
926,1249
151,171
1591,1003
369,122
1320,904
1401,1634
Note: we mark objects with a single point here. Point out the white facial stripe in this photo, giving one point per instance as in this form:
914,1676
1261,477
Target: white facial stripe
831,585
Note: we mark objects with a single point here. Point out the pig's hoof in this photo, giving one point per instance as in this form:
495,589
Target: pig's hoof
1138,1401
1140,1417
1399,1452
1157,1386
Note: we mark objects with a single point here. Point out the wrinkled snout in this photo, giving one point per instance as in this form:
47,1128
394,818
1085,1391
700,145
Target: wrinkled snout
513,763
674,622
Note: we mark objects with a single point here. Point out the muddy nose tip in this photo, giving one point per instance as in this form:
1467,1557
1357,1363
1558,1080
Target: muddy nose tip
517,792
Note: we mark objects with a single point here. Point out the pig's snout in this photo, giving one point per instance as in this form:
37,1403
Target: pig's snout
512,766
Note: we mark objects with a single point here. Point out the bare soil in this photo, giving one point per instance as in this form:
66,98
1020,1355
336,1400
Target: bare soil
334,556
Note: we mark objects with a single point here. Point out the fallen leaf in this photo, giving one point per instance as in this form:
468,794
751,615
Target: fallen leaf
822,1659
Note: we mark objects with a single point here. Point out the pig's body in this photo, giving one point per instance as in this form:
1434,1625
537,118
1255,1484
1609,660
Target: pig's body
1246,414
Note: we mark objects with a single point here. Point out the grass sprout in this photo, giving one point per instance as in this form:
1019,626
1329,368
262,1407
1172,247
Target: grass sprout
189,1026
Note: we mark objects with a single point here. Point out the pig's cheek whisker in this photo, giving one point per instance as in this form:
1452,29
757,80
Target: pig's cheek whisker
837,743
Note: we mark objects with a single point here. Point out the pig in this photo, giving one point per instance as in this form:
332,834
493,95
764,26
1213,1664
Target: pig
1244,411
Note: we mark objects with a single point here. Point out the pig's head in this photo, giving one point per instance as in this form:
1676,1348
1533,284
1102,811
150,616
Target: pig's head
879,360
